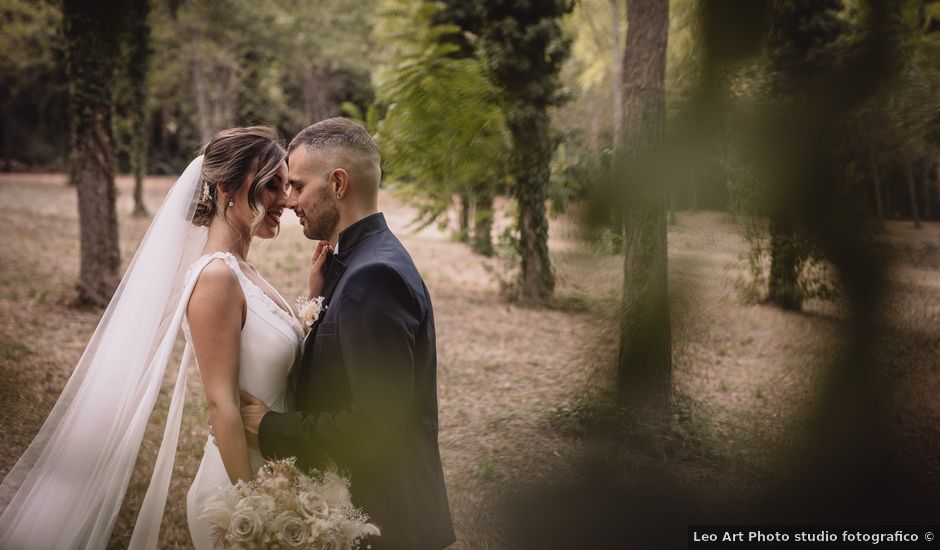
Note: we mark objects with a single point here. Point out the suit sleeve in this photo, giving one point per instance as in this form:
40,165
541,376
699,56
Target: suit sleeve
376,329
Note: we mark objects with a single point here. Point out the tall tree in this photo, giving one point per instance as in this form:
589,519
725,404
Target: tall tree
645,363
524,49
92,31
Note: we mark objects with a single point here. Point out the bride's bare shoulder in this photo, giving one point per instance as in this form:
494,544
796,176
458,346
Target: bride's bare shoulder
217,290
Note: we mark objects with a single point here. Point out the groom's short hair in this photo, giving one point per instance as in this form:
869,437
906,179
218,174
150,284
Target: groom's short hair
338,132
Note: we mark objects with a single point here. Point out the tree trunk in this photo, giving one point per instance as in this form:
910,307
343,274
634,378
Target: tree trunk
938,181
5,139
248,95
316,101
463,232
925,188
203,116
483,221
876,181
138,68
784,287
91,31
645,362
617,72
912,191
532,154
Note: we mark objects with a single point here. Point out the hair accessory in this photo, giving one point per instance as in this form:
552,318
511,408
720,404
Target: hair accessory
205,191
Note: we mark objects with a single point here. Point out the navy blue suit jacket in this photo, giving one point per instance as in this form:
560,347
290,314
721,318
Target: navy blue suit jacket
365,394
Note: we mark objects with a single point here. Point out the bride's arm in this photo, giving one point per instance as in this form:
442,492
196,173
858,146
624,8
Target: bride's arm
216,314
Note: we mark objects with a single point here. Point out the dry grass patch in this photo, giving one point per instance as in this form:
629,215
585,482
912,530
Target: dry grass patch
513,380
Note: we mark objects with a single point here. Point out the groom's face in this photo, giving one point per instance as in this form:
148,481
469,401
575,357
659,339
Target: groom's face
312,196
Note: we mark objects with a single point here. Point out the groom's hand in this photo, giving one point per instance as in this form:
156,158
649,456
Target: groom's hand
253,410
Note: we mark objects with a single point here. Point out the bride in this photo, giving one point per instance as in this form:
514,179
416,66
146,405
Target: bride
190,273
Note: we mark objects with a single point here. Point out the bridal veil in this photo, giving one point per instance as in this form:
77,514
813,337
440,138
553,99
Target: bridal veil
67,488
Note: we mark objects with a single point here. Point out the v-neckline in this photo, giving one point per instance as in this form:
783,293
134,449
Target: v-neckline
287,313
279,301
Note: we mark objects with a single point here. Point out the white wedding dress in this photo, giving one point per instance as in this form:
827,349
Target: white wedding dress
68,486
270,346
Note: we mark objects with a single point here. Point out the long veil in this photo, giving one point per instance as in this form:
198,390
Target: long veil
67,488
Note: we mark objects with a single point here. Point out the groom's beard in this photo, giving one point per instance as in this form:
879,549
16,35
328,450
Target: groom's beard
323,218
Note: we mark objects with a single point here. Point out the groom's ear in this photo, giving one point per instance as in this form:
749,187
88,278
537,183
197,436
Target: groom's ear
339,180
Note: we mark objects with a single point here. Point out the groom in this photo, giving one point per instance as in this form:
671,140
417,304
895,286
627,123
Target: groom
366,391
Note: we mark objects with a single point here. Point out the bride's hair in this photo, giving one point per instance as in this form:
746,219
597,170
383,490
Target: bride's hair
229,157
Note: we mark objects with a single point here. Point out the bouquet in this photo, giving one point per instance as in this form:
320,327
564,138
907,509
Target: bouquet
286,508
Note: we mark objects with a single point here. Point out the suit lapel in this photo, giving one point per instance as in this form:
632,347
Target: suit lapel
334,271
348,240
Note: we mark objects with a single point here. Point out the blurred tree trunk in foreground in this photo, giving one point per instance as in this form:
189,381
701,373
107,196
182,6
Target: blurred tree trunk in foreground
645,363
92,31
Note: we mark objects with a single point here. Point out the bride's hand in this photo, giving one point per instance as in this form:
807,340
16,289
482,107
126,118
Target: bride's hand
318,269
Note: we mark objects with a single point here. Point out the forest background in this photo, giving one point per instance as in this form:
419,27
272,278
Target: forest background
684,254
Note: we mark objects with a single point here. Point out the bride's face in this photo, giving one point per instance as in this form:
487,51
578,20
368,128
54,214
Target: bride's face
272,199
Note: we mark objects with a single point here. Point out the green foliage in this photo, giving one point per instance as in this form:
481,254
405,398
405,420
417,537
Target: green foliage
525,48
33,93
285,62
443,132
28,34
906,114
213,65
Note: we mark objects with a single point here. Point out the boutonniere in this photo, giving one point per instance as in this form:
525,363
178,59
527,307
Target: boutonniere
309,310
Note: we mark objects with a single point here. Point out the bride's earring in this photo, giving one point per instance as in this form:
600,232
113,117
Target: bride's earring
231,204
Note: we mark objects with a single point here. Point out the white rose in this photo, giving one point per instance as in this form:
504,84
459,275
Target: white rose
312,506
245,525
291,530
331,542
